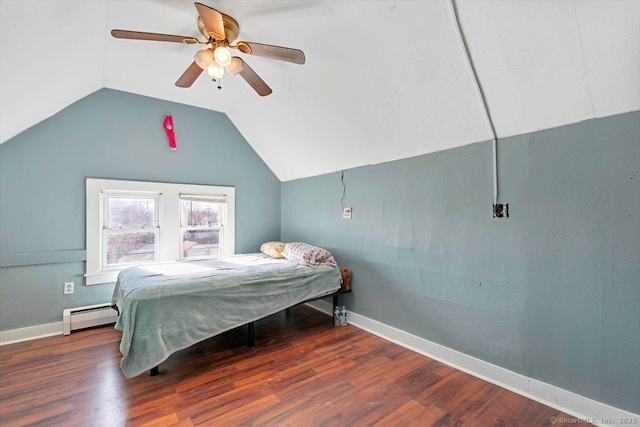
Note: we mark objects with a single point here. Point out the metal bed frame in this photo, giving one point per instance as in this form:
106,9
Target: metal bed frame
251,325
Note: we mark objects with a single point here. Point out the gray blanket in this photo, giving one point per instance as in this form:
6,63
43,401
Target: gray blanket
170,306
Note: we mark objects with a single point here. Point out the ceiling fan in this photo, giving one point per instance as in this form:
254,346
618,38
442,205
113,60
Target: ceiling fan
220,31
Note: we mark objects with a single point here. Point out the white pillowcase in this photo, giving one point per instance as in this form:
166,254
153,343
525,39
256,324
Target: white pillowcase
305,254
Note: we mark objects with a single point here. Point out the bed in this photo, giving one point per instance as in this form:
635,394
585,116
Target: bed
167,307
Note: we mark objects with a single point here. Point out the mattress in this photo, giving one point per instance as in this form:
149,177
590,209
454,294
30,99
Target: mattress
167,307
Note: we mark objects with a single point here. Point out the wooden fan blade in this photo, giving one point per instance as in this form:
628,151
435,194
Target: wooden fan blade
274,52
212,21
254,80
139,35
189,76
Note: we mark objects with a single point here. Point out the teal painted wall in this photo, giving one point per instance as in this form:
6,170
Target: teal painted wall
111,135
552,293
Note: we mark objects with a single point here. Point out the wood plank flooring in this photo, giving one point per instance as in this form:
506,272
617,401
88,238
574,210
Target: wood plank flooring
302,372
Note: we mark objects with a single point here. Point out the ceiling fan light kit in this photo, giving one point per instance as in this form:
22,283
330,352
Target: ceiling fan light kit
235,67
220,31
204,58
215,71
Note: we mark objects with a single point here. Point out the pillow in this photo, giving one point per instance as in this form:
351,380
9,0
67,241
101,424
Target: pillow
305,254
273,249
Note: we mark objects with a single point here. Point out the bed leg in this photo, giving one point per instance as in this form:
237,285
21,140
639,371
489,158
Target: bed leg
287,311
251,335
154,372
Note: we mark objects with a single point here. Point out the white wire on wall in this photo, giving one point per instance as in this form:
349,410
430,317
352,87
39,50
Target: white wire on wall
480,92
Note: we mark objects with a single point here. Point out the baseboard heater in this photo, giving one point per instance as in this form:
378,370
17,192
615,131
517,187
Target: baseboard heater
87,317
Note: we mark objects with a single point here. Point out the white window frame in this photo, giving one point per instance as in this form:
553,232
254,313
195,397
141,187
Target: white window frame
170,237
221,227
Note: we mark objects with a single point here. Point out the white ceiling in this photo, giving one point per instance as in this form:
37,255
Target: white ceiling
51,55
383,80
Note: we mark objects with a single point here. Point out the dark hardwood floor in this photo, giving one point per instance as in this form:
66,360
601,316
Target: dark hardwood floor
302,372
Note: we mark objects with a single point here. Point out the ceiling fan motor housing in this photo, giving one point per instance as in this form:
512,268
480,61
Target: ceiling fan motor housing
231,28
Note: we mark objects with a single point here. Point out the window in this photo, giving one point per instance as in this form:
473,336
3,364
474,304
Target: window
130,228
132,223
201,225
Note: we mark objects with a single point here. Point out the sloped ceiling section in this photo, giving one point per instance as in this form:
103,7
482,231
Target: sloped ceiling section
545,64
51,55
383,80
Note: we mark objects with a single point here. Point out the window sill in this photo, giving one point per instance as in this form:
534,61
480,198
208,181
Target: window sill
101,278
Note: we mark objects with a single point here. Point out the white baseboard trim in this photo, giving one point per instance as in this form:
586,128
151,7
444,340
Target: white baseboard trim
30,333
566,401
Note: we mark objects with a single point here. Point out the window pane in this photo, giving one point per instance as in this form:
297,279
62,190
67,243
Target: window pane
124,248
200,243
197,213
130,212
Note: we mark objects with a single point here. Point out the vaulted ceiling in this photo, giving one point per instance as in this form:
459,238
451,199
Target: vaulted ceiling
383,80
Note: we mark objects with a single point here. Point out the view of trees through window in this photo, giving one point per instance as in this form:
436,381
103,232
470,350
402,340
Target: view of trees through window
130,231
200,220
125,222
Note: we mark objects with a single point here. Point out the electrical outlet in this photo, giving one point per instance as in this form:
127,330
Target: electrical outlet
346,213
68,288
